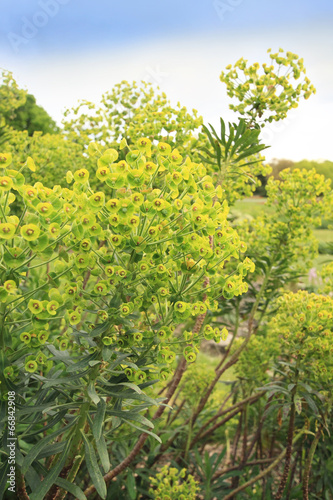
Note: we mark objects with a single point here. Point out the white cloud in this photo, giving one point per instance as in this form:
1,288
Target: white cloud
188,70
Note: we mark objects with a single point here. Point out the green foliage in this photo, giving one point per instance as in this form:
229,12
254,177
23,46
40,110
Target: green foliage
30,117
132,111
118,257
299,200
11,97
234,157
327,278
53,156
324,168
256,361
195,382
93,286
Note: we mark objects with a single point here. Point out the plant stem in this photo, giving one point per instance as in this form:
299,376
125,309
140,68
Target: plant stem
234,357
236,406
262,474
20,486
308,463
73,451
284,478
3,382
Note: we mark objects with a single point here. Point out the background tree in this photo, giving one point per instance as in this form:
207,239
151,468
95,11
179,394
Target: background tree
31,117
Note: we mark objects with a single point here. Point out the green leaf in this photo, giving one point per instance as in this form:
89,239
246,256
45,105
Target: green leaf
97,426
3,413
126,384
92,393
53,449
298,404
39,447
131,415
33,479
63,380
60,355
311,403
71,488
130,484
26,410
52,476
64,255
103,453
94,363
94,149
222,131
30,164
93,468
103,327
82,364
155,436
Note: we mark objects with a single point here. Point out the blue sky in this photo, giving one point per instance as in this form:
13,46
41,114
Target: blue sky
82,24
65,50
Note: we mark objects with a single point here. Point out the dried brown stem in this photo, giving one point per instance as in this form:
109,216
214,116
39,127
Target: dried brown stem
284,477
262,474
250,399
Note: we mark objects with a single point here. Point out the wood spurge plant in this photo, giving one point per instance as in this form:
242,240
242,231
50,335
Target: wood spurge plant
120,257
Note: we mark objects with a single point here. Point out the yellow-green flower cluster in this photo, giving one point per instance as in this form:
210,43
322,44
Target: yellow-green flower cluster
135,111
172,484
304,325
326,274
131,258
300,199
269,91
256,360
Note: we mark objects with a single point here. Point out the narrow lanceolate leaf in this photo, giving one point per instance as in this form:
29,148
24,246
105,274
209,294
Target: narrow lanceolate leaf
97,427
92,393
126,384
40,446
311,403
152,434
103,453
131,415
93,468
51,477
71,488
51,424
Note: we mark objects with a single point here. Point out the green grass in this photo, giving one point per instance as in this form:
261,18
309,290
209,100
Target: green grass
321,260
252,206
323,235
